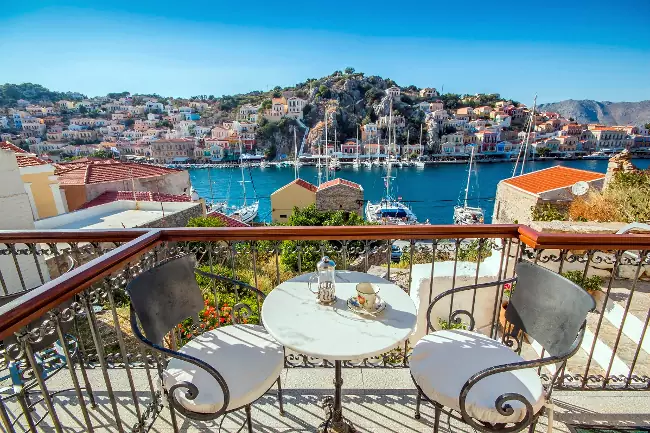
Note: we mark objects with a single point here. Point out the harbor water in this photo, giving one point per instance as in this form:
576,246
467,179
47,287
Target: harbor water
432,192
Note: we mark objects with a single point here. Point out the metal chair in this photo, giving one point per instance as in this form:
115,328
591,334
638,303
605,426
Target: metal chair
487,382
216,372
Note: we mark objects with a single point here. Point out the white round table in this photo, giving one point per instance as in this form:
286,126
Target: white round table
292,315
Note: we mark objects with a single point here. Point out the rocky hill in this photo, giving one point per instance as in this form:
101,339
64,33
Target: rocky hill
608,113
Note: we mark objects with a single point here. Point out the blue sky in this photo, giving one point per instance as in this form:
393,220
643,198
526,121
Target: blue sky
581,49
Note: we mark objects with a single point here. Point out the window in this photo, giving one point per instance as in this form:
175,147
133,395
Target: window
283,216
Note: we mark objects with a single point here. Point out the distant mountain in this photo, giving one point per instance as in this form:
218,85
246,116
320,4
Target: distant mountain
605,112
11,93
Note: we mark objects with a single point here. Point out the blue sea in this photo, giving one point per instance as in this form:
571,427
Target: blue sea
432,192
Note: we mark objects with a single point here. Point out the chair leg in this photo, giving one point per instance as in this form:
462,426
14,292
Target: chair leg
280,397
249,422
436,420
418,400
531,428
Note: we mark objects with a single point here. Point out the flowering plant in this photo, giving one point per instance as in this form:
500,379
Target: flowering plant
210,318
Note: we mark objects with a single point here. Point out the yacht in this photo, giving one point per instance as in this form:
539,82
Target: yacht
389,210
467,215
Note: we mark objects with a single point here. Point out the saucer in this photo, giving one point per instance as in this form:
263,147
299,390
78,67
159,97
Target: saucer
353,304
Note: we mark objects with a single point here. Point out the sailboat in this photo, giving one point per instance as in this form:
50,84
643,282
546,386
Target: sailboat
389,210
466,215
247,212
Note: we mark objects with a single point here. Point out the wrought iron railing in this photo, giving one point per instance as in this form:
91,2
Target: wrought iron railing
71,287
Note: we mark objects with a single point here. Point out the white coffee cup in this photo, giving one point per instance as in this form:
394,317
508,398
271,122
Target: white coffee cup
367,295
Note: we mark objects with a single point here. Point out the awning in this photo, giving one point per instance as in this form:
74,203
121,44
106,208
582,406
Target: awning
180,159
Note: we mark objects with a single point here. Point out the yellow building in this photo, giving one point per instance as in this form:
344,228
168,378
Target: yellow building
40,183
298,193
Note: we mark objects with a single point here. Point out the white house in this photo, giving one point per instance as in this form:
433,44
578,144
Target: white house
393,92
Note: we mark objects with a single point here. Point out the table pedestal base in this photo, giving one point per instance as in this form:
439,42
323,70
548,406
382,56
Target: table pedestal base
335,422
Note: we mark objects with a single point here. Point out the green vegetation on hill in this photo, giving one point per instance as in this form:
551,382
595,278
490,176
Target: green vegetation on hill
11,93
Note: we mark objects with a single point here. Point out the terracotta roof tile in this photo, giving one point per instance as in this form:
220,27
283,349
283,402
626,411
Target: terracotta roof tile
10,146
552,178
228,221
340,181
100,171
305,184
29,160
111,196
23,158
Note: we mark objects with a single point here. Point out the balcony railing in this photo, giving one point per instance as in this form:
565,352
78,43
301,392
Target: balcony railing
70,286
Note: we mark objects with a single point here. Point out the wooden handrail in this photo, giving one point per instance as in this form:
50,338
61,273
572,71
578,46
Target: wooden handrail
574,241
340,232
35,303
63,236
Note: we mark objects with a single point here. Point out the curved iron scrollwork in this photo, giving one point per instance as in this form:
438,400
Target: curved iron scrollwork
455,318
192,391
241,312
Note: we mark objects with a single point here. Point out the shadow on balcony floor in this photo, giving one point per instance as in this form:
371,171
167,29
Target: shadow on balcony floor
376,400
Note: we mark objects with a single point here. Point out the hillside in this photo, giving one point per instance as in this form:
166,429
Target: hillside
352,99
11,93
608,113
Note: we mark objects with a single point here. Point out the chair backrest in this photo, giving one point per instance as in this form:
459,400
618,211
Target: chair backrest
548,307
166,295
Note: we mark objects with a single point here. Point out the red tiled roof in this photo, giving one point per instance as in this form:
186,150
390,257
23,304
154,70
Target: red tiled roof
111,196
23,158
26,160
99,171
552,178
340,181
228,221
305,184
10,146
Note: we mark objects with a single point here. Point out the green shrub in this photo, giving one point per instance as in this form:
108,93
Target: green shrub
312,251
444,324
590,284
548,212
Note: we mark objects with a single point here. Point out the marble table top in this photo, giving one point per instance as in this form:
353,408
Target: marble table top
292,315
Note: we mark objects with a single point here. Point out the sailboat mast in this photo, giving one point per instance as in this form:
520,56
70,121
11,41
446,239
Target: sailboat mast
295,155
241,165
421,129
327,161
469,174
390,125
530,127
319,162
357,145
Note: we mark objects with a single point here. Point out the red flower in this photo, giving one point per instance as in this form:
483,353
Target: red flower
222,320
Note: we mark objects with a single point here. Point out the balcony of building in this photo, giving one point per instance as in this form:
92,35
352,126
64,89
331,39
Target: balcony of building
71,285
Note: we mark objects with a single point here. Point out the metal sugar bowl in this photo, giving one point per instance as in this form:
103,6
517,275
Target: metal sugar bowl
325,281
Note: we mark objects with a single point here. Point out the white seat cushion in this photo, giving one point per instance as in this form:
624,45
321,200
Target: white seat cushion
442,362
246,356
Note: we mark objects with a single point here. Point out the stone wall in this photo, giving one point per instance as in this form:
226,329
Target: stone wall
177,219
340,197
512,205
619,163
